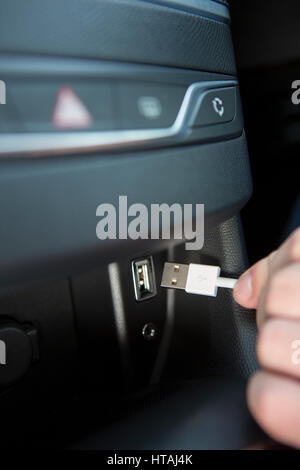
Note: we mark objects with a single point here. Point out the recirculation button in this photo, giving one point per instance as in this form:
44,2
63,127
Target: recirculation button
215,107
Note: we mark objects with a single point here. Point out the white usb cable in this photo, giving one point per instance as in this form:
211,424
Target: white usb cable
198,279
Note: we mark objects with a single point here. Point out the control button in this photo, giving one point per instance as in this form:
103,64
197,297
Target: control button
145,106
17,351
216,107
149,107
51,106
98,99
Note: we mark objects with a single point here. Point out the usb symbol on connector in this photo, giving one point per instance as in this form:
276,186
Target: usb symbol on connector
201,279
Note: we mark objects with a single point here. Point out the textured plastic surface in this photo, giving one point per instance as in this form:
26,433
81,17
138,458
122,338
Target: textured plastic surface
116,30
213,336
50,205
208,414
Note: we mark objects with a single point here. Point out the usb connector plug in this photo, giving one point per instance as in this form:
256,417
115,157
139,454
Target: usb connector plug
198,279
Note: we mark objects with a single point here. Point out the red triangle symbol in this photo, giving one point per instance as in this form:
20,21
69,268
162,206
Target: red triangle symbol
69,112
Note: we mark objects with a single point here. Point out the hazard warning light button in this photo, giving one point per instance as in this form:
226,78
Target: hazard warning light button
74,105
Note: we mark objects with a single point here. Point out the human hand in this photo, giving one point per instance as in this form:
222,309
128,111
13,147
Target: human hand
272,287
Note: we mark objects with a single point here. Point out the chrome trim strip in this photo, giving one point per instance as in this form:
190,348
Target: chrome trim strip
57,143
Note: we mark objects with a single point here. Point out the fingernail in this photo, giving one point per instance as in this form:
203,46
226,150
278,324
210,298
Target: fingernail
243,288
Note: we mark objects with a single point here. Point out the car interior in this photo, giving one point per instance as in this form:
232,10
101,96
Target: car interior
164,102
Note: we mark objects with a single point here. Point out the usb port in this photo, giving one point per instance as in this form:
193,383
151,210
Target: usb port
143,278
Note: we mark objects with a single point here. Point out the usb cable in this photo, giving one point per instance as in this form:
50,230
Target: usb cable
198,279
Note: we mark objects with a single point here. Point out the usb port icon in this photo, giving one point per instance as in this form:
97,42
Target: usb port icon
143,278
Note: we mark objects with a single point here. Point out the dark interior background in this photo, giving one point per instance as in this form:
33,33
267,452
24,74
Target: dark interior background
266,37
84,388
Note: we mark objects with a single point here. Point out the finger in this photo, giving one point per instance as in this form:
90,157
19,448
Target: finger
278,346
282,296
274,402
288,252
250,285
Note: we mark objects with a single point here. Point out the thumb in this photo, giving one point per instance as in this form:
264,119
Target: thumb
250,285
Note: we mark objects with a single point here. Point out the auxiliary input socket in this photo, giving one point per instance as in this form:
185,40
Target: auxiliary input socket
149,331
